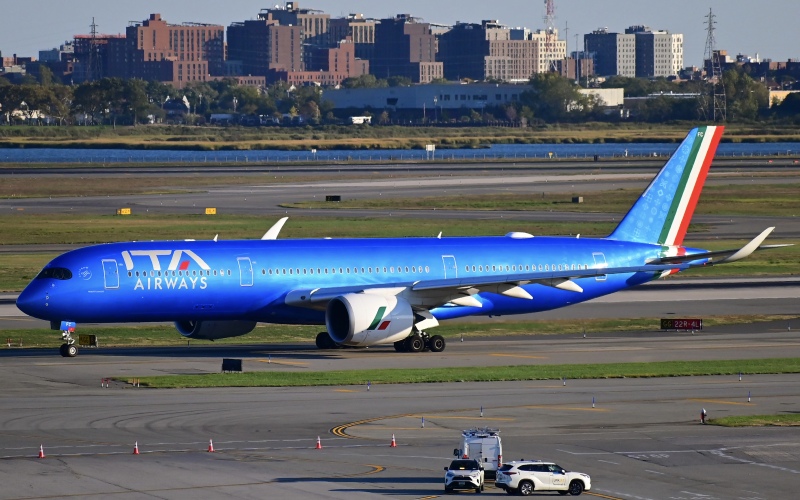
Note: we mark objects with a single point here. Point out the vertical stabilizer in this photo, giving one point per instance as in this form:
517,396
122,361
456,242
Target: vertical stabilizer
663,212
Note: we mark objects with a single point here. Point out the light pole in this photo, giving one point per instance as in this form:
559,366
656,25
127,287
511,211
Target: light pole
435,112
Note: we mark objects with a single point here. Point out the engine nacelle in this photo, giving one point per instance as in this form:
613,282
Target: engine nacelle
212,330
362,319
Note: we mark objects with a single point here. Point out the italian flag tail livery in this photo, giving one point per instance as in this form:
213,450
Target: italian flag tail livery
662,213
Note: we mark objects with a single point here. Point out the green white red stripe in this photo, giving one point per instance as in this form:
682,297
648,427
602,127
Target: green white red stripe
662,213
694,177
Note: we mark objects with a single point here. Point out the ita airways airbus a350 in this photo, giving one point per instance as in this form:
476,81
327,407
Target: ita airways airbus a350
377,291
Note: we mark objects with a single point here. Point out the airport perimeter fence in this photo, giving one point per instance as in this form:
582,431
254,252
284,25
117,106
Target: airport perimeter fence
501,153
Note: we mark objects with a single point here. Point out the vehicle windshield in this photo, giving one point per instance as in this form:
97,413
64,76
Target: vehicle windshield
464,465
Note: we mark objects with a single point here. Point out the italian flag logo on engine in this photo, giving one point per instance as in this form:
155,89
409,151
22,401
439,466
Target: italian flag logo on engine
376,323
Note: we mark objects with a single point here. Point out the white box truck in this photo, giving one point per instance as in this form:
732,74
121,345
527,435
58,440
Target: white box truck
483,445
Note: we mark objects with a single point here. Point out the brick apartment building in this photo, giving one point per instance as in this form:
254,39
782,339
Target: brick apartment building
407,48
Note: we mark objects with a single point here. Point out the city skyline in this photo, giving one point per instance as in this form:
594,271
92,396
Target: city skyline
740,27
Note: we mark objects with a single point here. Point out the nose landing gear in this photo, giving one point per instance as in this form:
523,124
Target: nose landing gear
68,349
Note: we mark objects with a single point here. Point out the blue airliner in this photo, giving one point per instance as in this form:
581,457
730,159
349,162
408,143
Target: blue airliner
377,291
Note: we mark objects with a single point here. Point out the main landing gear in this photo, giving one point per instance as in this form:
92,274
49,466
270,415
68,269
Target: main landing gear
420,341
68,349
324,341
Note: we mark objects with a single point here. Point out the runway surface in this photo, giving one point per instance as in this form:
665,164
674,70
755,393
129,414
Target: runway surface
640,440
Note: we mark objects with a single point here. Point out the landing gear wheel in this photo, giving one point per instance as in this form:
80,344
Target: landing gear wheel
437,343
71,350
414,343
63,350
400,346
324,341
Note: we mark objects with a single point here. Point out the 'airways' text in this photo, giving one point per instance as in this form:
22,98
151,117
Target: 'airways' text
172,283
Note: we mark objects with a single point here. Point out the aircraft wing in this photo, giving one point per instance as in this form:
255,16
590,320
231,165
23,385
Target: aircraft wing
426,294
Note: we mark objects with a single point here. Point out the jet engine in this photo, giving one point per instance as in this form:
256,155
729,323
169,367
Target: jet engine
363,319
212,330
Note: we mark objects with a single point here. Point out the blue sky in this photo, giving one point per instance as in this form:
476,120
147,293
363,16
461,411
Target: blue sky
766,27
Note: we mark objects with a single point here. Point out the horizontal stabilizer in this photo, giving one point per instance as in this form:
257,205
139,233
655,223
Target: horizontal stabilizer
723,256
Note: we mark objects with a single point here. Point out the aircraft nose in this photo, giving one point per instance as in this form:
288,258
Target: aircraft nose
33,300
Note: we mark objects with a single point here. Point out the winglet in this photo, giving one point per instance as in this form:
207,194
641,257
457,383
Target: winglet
273,232
749,248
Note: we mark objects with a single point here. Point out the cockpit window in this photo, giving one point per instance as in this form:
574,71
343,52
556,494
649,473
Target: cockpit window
57,273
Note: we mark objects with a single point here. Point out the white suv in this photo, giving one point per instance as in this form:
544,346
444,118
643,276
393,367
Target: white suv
526,476
464,474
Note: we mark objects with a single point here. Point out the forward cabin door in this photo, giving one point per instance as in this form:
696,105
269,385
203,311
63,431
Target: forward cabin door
450,267
245,271
110,273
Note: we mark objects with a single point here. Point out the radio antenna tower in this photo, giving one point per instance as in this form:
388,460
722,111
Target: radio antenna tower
551,36
94,55
715,100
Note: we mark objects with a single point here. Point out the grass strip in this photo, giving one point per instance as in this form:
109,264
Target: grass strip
476,374
785,420
733,199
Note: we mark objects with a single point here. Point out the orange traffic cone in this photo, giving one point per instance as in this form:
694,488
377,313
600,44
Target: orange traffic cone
41,451
319,444
136,448
210,446
394,443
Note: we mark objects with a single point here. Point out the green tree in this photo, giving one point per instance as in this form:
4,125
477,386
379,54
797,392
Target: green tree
745,96
399,81
554,98
364,82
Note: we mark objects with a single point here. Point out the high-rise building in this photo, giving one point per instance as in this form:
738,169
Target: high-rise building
640,52
406,47
360,30
94,57
614,53
155,50
658,53
490,51
262,46
315,26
